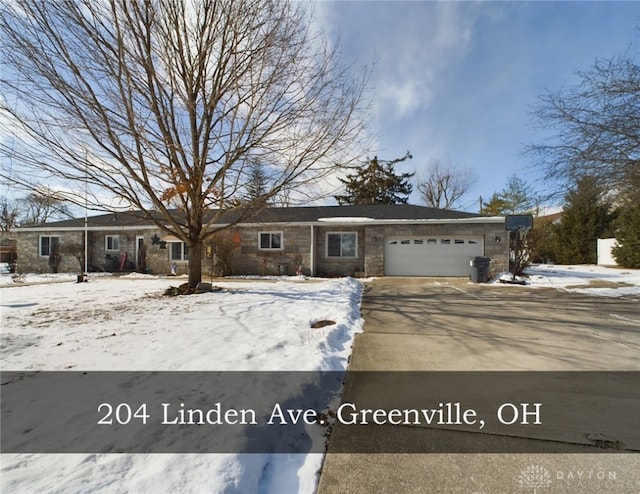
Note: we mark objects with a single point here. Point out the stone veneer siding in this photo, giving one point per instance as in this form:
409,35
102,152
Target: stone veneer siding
247,258
375,236
30,261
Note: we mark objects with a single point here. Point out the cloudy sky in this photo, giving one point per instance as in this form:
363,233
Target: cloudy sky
459,80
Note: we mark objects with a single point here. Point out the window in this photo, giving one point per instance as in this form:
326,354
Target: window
405,242
270,241
111,242
178,251
46,244
342,244
445,241
418,241
458,241
432,241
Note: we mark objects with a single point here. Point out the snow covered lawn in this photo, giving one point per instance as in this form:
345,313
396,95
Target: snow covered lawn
124,323
587,279
127,324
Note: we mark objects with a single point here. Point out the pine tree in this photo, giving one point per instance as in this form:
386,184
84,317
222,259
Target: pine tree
257,184
587,217
516,197
627,252
377,183
495,207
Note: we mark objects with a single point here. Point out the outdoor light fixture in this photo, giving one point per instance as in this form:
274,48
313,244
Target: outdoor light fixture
163,244
498,240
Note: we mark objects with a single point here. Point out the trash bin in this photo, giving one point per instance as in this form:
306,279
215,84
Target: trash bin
479,269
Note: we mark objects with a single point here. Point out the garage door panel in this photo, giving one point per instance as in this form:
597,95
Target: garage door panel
431,255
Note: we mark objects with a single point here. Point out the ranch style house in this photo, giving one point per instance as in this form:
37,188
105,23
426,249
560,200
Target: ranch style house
367,240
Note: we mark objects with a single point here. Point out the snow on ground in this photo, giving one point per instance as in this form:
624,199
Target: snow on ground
126,323
587,279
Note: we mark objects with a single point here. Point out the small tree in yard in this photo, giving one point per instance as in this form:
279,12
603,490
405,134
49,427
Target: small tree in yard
377,183
221,252
162,106
76,250
54,257
539,240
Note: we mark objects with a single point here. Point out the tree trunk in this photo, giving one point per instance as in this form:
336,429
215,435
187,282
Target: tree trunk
195,264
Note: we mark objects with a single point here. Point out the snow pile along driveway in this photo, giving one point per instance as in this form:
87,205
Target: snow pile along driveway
126,324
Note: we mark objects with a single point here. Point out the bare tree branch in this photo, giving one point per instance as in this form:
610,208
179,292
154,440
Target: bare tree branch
595,128
445,183
10,213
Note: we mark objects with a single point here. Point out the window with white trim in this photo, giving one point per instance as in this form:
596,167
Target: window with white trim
178,251
270,241
343,244
46,243
112,242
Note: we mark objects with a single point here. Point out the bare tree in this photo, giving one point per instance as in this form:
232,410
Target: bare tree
43,205
594,128
163,104
445,183
9,214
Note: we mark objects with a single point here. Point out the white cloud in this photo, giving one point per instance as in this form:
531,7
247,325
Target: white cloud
412,44
403,97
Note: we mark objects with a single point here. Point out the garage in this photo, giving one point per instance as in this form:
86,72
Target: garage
431,255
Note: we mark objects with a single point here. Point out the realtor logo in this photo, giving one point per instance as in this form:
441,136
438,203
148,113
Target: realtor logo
534,477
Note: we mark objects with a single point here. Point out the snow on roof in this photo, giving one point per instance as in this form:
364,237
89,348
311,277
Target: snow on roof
346,219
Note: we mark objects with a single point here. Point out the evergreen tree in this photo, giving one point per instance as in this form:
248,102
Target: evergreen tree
377,183
627,252
257,185
516,197
587,217
495,207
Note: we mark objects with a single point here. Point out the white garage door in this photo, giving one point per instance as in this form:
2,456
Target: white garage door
430,255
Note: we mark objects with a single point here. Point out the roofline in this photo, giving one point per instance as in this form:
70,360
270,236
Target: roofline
82,228
320,222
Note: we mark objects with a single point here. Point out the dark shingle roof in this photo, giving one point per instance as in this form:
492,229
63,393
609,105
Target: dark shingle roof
308,214
375,212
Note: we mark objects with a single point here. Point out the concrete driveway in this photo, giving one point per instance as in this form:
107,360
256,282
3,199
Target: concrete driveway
423,324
